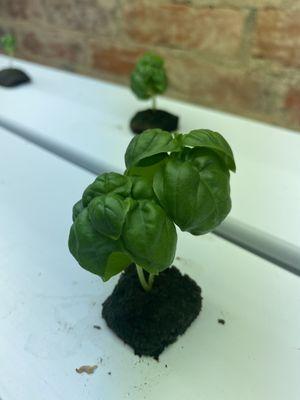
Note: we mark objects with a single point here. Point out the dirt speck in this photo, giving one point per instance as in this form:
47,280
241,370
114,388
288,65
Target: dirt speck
97,327
88,369
221,321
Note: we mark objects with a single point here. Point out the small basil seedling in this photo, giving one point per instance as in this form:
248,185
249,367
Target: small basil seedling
149,78
170,179
8,43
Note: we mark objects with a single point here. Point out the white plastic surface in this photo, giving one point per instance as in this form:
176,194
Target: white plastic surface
87,121
49,306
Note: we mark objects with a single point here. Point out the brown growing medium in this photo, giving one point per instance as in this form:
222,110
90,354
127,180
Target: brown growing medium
11,77
151,119
150,321
241,56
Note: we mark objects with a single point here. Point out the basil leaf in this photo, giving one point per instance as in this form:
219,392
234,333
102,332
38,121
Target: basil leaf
149,236
217,179
116,263
141,189
95,252
107,183
182,194
150,143
196,197
77,208
107,214
212,140
146,173
149,77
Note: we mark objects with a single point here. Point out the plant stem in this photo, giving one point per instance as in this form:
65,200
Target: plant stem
153,103
151,280
147,286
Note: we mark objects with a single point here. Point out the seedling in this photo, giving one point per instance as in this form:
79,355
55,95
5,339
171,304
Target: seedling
149,78
8,43
170,179
11,77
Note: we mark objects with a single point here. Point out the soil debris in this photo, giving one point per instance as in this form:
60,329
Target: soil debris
88,369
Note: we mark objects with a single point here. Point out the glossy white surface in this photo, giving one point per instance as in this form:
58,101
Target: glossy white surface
86,120
49,306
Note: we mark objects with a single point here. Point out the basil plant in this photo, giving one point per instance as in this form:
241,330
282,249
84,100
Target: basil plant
170,180
149,77
8,43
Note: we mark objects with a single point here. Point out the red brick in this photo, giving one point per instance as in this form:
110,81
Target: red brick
93,16
23,9
114,59
14,8
6,28
231,89
292,106
48,46
243,3
278,36
181,26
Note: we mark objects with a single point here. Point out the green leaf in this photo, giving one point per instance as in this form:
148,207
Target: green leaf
107,214
194,193
141,188
107,183
149,77
116,263
217,180
148,144
77,208
211,140
146,173
95,252
149,236
182,194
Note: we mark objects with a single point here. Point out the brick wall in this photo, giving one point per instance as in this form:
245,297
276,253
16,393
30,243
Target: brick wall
242,56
